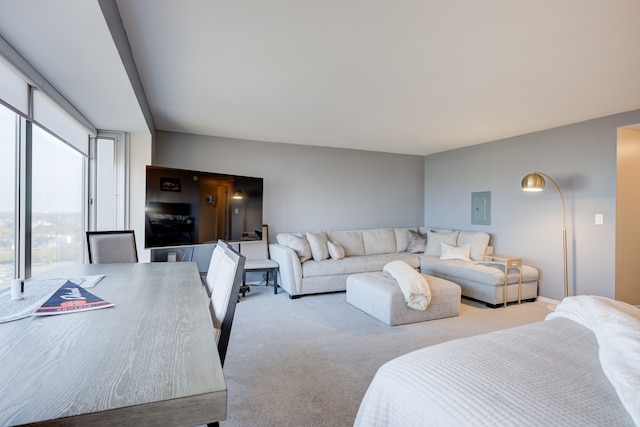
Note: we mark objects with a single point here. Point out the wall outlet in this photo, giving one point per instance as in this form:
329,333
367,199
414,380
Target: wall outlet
599,219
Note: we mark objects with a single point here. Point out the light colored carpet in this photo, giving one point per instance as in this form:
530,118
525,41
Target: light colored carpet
308,362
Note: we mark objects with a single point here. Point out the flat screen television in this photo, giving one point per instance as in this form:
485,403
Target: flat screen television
186,208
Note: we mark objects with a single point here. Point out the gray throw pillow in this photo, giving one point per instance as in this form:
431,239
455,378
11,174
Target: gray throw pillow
417,242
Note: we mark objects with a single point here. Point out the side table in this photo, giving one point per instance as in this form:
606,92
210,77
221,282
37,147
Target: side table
509,262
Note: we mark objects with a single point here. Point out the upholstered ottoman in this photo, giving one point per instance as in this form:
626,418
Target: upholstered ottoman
379,295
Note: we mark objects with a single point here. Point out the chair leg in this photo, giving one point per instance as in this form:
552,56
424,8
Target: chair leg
275,281
244,288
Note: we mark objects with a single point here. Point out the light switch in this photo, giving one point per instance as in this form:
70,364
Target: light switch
599,219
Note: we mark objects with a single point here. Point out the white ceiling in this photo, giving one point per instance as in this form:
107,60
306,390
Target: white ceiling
413,77
69,43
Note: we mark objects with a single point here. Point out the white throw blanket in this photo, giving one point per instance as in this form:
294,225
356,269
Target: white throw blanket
414,286
616,326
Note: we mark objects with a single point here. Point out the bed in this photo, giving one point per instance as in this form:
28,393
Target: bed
580,367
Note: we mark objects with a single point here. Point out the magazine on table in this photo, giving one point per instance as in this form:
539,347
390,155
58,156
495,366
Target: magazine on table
71,298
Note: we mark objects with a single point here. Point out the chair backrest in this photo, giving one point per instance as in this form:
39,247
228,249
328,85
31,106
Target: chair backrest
111,246
225,286
216,257
256,249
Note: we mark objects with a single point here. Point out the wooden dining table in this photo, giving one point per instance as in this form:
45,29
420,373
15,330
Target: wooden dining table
151,359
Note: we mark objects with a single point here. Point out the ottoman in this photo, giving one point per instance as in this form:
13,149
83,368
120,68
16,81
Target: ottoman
379,295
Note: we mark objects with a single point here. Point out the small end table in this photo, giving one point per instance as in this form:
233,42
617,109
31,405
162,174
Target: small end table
509,262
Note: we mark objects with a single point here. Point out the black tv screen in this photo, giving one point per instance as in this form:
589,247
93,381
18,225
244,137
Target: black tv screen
185,207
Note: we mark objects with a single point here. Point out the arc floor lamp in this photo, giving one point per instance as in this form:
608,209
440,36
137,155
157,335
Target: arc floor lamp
535,182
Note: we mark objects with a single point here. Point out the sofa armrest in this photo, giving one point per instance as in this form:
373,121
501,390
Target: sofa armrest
290,268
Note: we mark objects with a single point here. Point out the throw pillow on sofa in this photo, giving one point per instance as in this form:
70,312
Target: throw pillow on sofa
336,251
417,242
455,252
298,242
318,244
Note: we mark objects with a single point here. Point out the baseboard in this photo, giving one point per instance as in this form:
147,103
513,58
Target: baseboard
548,300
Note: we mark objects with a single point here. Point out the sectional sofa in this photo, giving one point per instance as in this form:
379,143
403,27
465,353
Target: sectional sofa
321,261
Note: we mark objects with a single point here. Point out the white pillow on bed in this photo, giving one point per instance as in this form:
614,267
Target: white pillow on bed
455,252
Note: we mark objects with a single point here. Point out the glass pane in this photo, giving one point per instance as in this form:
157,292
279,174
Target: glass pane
58,230
105,183
7,195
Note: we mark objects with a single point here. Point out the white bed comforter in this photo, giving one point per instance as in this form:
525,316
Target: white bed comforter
547,373
616,326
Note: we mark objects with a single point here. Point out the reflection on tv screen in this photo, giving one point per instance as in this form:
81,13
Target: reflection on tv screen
185,207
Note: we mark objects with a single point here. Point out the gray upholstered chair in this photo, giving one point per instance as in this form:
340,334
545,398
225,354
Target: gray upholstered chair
257,255
223,280
111,246
214,265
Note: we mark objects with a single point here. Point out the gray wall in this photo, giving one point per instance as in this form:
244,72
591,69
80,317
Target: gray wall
581,158
306,187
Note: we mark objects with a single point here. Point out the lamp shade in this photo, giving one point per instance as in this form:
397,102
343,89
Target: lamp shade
533,182
238,194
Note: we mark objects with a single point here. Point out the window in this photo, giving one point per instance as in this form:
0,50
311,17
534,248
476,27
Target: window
44,169
8,140
58,222
110,195
106,185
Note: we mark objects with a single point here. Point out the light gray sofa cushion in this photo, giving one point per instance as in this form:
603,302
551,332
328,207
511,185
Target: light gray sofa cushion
423,230
355,264
379,241
351,241
435,238
477,240
402,238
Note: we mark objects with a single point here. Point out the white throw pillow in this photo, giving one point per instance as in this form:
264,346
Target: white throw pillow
318,244
298,242
336,251
453,252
